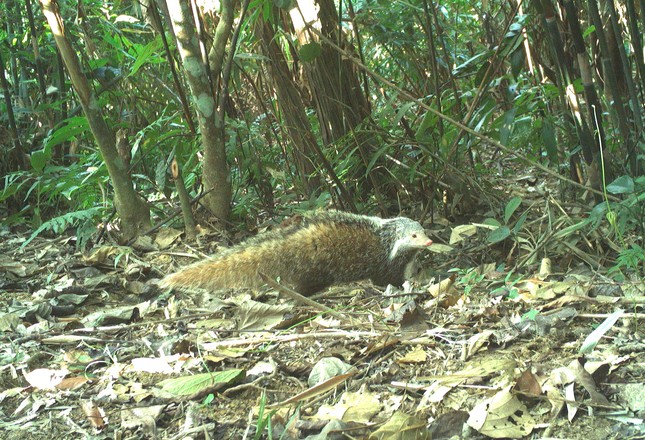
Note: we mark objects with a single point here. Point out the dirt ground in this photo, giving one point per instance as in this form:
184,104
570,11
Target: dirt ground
91,348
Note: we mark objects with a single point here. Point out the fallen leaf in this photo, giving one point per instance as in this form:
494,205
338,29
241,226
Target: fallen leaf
254,315
462,232
528,383
476,342
72,383
327,368
359,407
502,415
316,390
594,337
167,236
145,417
94,414
189,385
416,356
402,426
45,378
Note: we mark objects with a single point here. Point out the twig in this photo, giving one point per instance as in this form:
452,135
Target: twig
300,298
207,427
605,315
287,338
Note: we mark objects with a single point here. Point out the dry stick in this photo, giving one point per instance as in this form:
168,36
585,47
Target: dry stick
299,298
264,339
456,123
606,315
205,428
256,384
196,199
280,339
57,333
624,301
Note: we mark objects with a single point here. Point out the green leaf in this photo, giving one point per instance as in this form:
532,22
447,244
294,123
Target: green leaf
640,182
12,183
188,385
284,4
519,223
59,224
492,222
482,116
499,234
68,130
427,123
403,110
549,141
511,206
145,54
530,315
517,62
380,152
513,293
472,63
507,126
561,233
622,185
309,52
589,31
513,30
160,173
38,160
500,291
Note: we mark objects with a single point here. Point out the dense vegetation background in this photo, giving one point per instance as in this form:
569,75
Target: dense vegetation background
513,130
261,108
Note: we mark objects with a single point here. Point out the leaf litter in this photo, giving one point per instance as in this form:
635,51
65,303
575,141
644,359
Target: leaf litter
91,347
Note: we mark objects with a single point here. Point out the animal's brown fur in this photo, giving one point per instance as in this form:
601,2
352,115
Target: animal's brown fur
322,249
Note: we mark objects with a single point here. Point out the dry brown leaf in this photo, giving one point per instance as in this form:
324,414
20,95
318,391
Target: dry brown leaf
359,407
379,345
442,287
45,378
502,416
476,342
400,427
528,383
101,254
416,356
462,232
145,417
94,414
72,383
166,237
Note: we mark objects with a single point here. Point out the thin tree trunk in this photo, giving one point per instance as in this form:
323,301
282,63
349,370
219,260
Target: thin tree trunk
338,96
293,112
215,170
335,87
18,154
133,211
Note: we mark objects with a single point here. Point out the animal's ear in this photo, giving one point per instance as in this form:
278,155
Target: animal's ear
294,220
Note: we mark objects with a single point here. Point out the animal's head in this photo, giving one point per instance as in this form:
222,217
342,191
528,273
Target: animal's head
407,234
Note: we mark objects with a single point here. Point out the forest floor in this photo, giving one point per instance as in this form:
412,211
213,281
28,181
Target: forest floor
91,348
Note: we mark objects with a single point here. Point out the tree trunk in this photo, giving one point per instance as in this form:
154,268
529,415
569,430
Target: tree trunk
334,83
215,170
293,111
133,211
340,102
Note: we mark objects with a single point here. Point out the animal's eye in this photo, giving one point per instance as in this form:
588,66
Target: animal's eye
414,235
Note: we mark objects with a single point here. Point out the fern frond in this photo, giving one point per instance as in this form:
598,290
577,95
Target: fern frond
59,224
